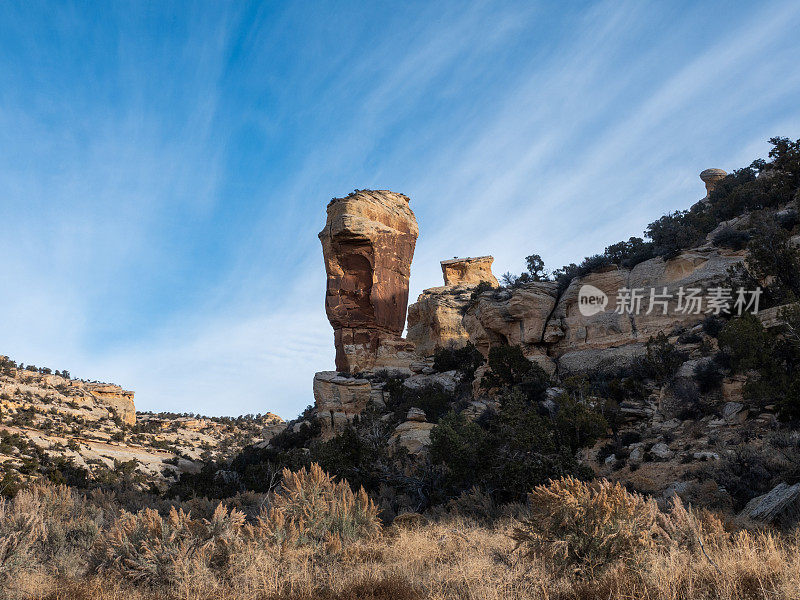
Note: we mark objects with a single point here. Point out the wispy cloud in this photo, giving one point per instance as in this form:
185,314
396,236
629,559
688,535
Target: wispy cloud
163,174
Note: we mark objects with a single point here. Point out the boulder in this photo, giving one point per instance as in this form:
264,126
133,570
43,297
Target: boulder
734,412
469,271
705,455
686,370
606,359
416,414
368,244
338,399
447,380
662,451
780,506
771,317
435,320
414,436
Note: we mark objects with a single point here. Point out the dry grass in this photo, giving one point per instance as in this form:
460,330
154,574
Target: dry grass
454,557
590,527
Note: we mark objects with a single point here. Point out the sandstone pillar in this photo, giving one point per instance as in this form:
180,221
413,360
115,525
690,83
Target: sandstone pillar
368,243
710,177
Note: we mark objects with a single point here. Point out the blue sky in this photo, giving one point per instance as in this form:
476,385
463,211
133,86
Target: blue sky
165,166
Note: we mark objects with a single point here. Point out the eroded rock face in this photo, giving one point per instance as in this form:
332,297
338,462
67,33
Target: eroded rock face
120,401
468,271
368,243
435,320
338,399
516,317
551,328
576,339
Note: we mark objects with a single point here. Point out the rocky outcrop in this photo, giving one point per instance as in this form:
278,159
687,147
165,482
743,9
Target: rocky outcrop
468,271
414,434
552,328
338,399
89,423
436,319
368,243
120,401
575,337
517,317
97,400
710,177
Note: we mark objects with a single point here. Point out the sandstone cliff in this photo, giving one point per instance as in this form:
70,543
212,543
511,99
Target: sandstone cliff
550,327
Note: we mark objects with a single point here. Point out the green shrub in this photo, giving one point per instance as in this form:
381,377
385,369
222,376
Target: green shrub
462,446
466,360
746,343
508,452
433,399
708,376
771,258
509,369
482,287
678,230
662,359
731,238
577,424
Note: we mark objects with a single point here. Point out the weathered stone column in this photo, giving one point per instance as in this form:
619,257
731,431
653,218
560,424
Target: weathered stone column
368,244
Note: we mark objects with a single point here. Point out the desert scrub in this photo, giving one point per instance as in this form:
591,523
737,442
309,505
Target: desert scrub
48,524
312,508
148,548
20,533
589,527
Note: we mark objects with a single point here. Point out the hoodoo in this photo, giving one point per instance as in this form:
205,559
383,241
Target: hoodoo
368,244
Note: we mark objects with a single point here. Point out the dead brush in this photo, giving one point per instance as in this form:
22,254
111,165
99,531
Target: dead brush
589,527
311,508
45,524
148,548
19,535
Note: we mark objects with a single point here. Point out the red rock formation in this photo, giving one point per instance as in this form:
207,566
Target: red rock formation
368,243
